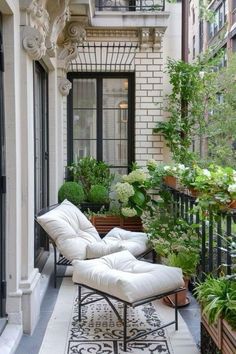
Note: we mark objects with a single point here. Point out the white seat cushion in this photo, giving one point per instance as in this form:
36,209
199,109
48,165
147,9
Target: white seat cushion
70,229
135,242
123,276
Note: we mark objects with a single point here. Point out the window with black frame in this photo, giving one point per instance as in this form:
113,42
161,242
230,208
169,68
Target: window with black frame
101,118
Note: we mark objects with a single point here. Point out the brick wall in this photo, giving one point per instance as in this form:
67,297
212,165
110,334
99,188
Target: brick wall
149,93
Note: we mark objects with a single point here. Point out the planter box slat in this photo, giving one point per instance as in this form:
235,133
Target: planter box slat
222,334
105,223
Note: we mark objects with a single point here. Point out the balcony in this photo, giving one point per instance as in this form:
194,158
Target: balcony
130,5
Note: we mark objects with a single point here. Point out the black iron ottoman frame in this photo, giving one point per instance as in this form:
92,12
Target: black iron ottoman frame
107,297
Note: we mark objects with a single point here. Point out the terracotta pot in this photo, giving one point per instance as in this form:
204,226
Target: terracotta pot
232,204
170,181
182,298
193,192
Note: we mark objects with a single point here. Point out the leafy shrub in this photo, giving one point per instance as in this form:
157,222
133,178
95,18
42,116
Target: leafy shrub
98,194
72,191
89,172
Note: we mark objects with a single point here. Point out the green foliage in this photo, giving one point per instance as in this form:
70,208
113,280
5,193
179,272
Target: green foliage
185,107
221,128
132,193
218,299
174,239
186,261
72,191
98,194
88,171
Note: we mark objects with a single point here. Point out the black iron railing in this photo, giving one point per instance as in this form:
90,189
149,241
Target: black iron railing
130,5
217,234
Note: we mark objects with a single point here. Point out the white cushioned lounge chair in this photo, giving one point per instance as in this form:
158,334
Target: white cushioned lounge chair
74,236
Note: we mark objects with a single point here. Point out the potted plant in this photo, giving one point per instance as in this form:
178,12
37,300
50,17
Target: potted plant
177,244
71,191
95,178
217,297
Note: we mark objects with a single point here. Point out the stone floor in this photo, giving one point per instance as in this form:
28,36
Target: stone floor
31,344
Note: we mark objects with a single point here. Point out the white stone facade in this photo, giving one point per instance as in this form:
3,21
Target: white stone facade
30,32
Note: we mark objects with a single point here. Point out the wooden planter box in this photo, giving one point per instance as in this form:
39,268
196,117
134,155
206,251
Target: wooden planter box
170,181
105,223
222,334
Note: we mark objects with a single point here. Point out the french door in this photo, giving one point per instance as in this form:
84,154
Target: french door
41,167
101,118
2,192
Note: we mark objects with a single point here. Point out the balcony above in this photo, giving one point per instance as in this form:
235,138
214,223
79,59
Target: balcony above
130,5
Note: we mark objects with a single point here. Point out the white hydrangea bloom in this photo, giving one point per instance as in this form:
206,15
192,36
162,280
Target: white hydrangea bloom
128,212
136,176
206,172
232,188
124,191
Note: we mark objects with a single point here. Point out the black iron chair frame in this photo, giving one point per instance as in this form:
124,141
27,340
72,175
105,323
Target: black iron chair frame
60,260
123,320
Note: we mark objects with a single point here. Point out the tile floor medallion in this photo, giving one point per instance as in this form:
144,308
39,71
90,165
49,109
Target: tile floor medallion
100,332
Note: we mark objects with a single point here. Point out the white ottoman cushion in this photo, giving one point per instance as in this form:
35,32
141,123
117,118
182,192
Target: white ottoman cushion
135,242
123,276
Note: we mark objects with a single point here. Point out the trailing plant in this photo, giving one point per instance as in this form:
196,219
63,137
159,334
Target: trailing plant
174,239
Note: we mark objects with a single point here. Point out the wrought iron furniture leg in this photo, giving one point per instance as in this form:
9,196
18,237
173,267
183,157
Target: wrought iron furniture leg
176,312
55,265
79,303
125,328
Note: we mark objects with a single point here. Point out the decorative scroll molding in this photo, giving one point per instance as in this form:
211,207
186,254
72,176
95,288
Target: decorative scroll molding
33,42
74,34
38,17
64,86
59,15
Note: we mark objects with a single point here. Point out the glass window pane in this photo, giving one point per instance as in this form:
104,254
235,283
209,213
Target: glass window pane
115,123
82,148
84,93
115,152
115,91
84,124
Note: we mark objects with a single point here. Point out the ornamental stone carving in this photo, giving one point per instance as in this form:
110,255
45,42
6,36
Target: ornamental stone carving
64,86
33,42
157,39
73,35
59,14
145,38
38,17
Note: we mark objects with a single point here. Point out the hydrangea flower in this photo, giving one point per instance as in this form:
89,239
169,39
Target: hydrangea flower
128,212
136,176
124,191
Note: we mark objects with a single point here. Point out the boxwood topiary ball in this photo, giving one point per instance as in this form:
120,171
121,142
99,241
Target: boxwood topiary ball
98,194
71,191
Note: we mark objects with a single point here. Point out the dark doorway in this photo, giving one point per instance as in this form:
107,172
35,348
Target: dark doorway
41,162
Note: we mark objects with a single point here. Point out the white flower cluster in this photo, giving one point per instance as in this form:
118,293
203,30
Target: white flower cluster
124,191
152,164
128,212
136,176
232,188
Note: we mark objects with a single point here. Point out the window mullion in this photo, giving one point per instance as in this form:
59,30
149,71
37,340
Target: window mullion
99,119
